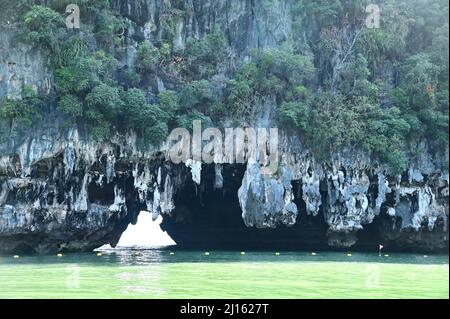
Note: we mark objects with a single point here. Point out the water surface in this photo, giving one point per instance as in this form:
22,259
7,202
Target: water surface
166,273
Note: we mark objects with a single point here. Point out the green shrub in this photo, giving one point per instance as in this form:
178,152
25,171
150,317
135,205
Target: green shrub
22,111
134,101
196,95
102,129
355,79
168,101
45,27
70,104
106,100
73,48
240,98
287,65
294,114
186,120
418,75
277,72
133,98
205,55
148,120
147,58
109,29
83,73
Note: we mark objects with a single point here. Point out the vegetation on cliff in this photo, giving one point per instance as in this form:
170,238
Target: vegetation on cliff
334,81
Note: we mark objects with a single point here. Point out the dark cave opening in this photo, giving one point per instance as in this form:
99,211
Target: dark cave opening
23,248
313,228
210,218
207,207
50,198
384,230
101,194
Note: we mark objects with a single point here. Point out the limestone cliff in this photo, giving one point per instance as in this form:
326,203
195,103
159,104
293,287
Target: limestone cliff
60,190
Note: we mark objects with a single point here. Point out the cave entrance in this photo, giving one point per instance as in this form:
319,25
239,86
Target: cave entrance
146,233
210,217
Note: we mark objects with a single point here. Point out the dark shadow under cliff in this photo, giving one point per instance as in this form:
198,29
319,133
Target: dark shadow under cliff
206,217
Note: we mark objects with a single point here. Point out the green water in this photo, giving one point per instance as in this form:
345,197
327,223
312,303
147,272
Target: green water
158,273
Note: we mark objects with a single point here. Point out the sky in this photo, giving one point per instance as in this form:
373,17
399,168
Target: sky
145,233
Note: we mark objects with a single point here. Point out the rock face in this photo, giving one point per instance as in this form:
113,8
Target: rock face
21,65
266,202
61,191
350,204
249,23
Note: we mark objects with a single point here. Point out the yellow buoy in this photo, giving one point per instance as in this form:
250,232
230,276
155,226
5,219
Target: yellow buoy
349,255
171,253
277,253
242,252
59,255
99,254
313,254
207,253
16,256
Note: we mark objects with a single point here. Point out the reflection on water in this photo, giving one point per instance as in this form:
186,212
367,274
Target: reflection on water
172,273
135,256
140,281
73,276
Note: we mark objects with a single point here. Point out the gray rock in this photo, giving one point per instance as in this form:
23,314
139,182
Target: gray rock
266,201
